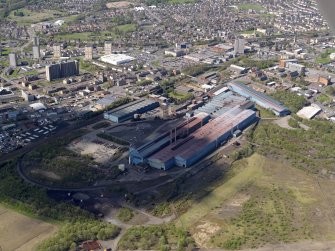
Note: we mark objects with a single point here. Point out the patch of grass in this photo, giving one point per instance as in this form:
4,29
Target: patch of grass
325,57
156,237
291,100
5,51
311,149
125,214
126,27
265,113
268,216
180,97
25,16
322,98
53,163
255,7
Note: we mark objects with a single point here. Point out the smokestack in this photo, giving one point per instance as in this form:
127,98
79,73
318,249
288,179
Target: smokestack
327,8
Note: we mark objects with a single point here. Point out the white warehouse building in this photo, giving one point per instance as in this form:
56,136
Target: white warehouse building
116,59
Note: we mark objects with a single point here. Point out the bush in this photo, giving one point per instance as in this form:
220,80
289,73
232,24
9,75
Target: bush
125,214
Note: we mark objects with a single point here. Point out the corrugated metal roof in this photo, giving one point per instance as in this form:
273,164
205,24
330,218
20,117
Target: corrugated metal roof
246,91
186,148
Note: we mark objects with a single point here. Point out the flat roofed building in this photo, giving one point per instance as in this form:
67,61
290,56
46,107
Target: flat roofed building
309,112
117,59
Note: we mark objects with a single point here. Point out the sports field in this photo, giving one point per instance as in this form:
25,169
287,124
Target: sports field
21,233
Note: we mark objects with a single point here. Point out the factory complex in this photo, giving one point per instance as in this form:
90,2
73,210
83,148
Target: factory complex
259,98
129,110
187,151
197,137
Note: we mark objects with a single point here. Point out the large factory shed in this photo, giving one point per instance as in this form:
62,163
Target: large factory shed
139,155
222,103
259,98
128,111
185,152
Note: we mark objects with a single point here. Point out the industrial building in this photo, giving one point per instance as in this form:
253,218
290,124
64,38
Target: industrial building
62,70
222,103
139,155
187,151
260,99
117,59
128,111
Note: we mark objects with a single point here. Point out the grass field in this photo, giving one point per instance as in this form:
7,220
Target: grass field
21,233
255,7
88,36
30,17
264,201
324,98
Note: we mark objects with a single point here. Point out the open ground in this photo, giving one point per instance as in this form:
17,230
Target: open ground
21,233
263,202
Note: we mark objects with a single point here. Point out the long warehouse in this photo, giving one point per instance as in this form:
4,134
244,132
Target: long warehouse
128,111
185,152
259,98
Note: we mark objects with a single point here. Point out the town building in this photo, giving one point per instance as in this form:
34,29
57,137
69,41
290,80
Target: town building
88,52
27,96
12,59
62,70
57,51
108,48
36,52
239,45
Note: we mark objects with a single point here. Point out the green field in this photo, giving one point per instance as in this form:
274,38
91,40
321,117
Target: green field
103,35
29,17
324,57
255,7
221,194
324,98
126,27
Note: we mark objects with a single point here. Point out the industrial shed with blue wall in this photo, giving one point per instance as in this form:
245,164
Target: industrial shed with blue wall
128,111
259,98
